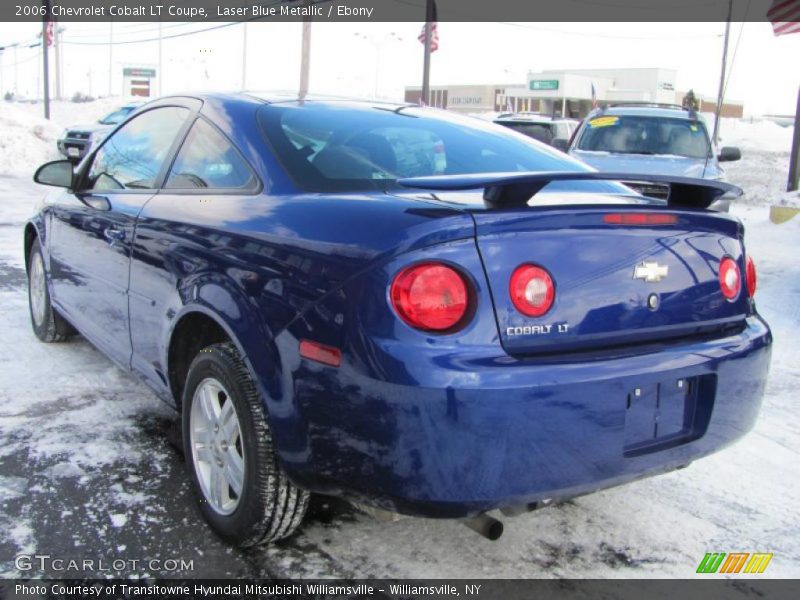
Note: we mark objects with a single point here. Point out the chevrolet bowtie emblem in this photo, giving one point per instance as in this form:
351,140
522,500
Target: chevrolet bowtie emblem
650,272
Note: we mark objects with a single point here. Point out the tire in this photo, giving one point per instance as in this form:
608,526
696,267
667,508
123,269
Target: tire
269,507
48,325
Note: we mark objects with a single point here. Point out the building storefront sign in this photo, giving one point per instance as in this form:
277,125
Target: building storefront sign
543,84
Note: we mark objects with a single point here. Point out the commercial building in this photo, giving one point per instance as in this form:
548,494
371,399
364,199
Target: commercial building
569,92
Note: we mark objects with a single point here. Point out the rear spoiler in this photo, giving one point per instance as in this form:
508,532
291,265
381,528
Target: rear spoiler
502,190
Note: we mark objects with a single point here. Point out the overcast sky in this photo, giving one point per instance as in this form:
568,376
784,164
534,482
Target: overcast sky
765,73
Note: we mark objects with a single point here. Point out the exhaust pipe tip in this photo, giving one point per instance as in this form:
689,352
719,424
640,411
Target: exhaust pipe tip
487,526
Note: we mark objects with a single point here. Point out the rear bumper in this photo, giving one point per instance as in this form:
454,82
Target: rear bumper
457,435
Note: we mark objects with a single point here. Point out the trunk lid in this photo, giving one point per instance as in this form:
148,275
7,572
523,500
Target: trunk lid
598,301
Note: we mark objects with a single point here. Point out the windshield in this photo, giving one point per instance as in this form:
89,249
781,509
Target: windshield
538,131
116,117
645,135
340,146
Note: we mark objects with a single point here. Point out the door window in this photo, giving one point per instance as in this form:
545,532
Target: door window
132,157
207,160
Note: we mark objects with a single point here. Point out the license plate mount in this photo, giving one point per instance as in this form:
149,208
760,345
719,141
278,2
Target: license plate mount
662,414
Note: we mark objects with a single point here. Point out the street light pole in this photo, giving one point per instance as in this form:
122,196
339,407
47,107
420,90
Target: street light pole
244,57
45,60
305,61
160,74
57,49
378,45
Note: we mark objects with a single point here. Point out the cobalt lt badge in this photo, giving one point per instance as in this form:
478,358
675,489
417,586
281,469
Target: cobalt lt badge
650,272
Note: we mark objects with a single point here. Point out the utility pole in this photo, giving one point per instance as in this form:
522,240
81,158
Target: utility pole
45,65
721,93
430,11
244,57
794,157
110,54
305,60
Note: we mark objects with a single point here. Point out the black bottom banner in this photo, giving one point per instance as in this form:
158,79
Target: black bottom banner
485,589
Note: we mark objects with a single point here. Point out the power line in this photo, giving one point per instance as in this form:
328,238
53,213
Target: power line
21,62
153,39
609,36
577,33
735,50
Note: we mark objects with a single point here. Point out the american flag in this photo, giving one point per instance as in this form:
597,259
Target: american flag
49,36
594,96
434,36
434,31
785,16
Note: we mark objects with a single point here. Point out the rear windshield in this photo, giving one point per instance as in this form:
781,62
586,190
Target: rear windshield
538,131
342,147
645,135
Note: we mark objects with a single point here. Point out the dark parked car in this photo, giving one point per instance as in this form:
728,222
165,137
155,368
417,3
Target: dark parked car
506,330
539,127
76,141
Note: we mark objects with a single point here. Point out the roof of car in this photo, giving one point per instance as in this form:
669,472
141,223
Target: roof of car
525,118
274,97
646,111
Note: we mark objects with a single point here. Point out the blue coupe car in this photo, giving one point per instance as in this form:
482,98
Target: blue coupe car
419,312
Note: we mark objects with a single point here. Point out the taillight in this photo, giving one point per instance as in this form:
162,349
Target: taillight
639,219
430,296
532,290
730,279
751,277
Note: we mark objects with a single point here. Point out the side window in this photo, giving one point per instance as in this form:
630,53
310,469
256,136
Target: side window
132,158
207,160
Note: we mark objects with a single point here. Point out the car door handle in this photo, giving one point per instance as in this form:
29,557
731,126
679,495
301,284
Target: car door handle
114,235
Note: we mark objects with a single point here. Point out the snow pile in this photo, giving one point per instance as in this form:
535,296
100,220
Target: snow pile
790,199
27,140
766,136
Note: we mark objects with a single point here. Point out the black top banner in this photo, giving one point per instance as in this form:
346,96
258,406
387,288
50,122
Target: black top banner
385,10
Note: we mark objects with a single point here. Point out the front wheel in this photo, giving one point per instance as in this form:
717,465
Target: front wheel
48,325
243,493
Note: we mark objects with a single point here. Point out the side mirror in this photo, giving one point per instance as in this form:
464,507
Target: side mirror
560,144
729,153
58,173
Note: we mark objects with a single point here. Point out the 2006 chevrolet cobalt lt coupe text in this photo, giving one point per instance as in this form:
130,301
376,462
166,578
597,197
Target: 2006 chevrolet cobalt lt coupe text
417,311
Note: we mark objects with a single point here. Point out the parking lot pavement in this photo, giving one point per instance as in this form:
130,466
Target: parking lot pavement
90,469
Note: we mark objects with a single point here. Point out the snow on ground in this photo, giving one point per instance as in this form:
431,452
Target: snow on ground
86,469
